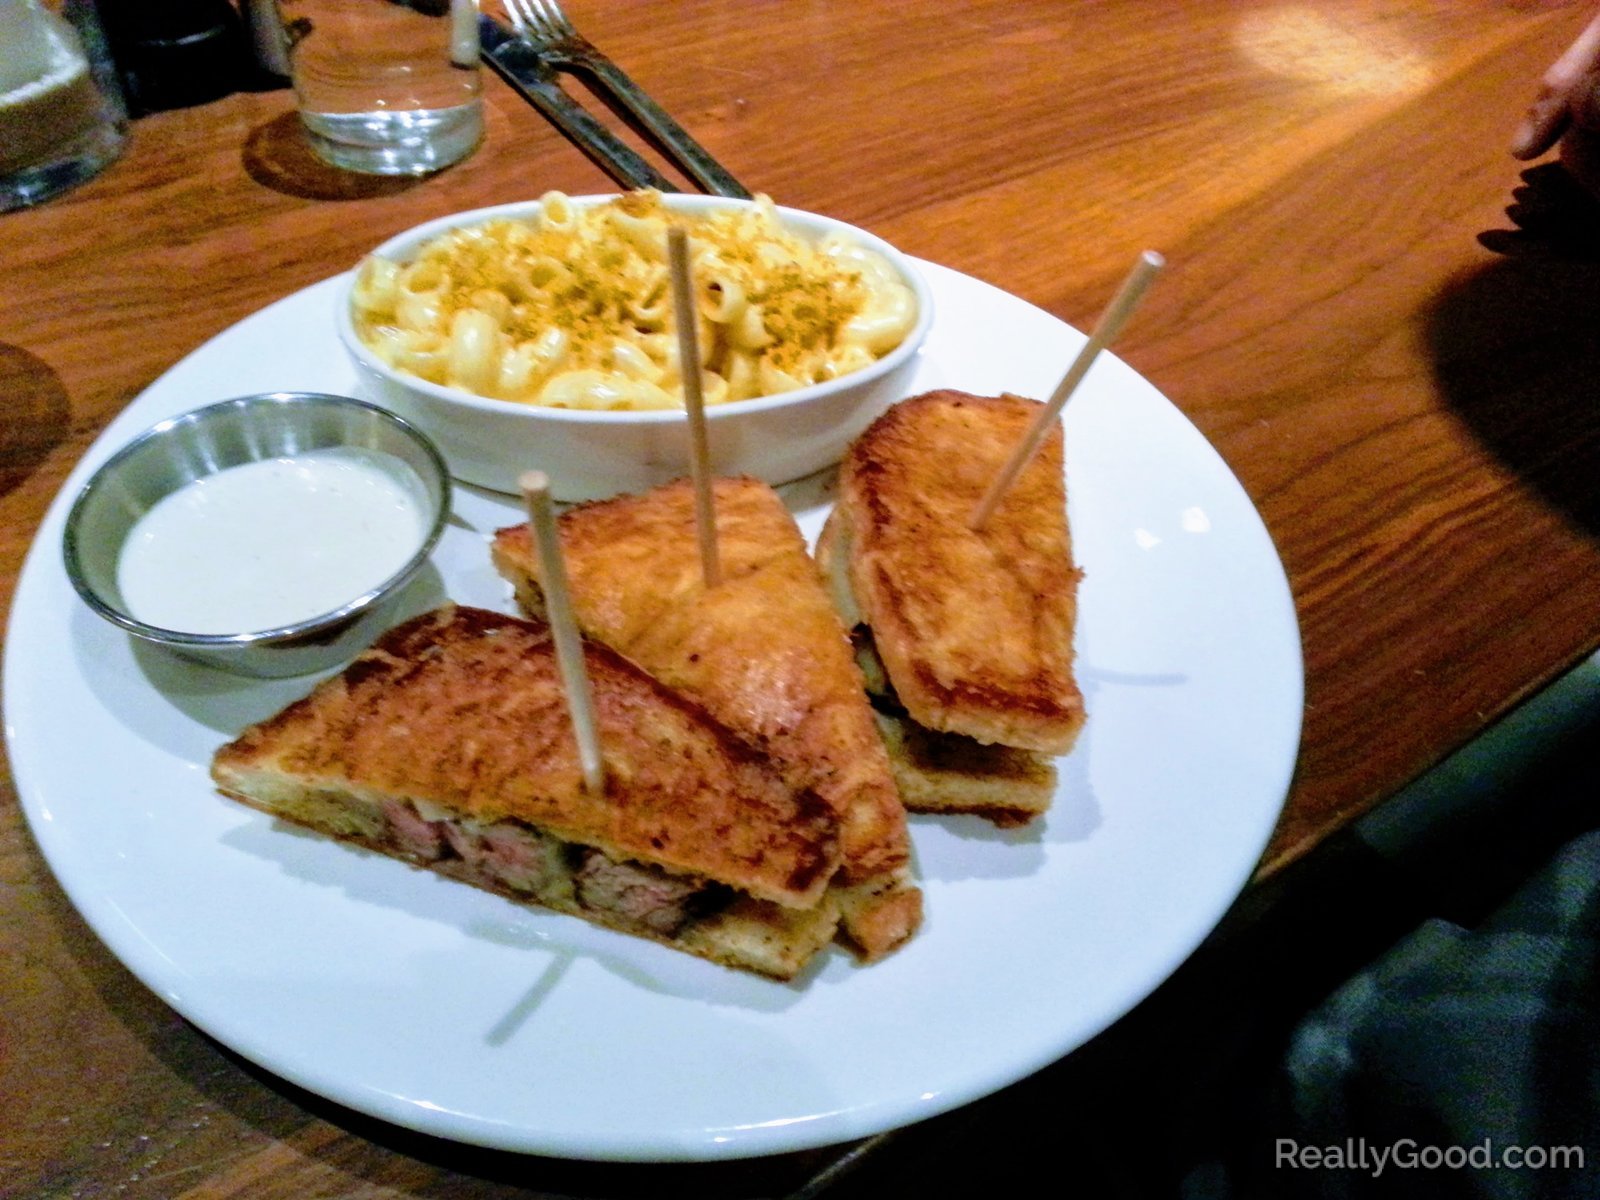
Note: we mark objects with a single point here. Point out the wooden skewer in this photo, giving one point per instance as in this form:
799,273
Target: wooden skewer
705,517
1110,324
535,487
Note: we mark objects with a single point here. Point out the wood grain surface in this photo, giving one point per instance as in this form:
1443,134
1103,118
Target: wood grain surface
1406,382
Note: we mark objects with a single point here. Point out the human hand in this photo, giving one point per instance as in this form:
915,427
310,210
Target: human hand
1567,110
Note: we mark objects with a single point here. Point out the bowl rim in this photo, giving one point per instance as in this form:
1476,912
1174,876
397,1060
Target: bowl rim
298,631
408,239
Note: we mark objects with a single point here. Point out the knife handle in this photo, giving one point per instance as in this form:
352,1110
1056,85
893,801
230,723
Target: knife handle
652,121
520,66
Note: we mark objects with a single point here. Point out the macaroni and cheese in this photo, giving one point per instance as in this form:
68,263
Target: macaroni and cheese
573,308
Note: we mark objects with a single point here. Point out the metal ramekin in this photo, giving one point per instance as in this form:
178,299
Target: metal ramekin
185,448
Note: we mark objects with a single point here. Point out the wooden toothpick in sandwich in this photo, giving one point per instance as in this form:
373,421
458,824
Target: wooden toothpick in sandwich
535,487
694,403
1110,324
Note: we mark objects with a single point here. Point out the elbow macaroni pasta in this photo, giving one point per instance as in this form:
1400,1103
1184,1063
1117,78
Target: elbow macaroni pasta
573,308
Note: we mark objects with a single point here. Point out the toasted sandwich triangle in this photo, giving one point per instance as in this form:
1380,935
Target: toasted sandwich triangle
764,651
448,744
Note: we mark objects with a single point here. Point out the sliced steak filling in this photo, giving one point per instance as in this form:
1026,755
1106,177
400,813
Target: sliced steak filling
644,896
509,855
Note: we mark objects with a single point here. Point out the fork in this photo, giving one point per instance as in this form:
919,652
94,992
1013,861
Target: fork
521,65
544,25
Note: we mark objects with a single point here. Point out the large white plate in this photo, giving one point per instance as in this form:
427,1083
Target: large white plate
448,1010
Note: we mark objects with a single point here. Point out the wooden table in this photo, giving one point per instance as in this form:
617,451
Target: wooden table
1411,407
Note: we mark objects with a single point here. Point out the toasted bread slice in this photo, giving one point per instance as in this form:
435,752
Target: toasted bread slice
764,651
974,629
448,744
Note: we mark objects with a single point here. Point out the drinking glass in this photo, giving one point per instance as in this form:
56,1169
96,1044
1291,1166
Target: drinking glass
62,119
386,87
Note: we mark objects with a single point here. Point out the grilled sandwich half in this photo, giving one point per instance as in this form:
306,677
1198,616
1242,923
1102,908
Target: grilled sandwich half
764,651
964,637
448,745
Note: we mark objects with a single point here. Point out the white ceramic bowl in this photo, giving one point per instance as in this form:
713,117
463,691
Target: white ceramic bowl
591,455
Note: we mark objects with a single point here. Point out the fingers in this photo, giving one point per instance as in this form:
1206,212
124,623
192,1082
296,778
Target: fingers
1569,81
1585,102
1544,123
1580,148
1579,59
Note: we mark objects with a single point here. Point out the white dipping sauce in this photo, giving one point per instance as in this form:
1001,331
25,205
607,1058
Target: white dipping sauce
272,543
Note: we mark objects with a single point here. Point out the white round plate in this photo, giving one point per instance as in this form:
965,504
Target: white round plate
451,1011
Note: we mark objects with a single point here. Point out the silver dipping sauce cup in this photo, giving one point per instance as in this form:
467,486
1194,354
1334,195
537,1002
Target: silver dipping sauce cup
185,448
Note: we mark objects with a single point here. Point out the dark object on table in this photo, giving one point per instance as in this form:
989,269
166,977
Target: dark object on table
269,43
179,53
1476,1046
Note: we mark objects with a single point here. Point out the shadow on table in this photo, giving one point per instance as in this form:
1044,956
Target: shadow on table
277,156
1516,355
1555,219
38,414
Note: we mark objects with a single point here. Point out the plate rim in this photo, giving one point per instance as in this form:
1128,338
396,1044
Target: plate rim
819,1129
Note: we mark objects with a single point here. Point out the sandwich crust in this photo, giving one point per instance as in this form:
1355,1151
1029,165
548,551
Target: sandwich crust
974,628
463,711
764,651
949,773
